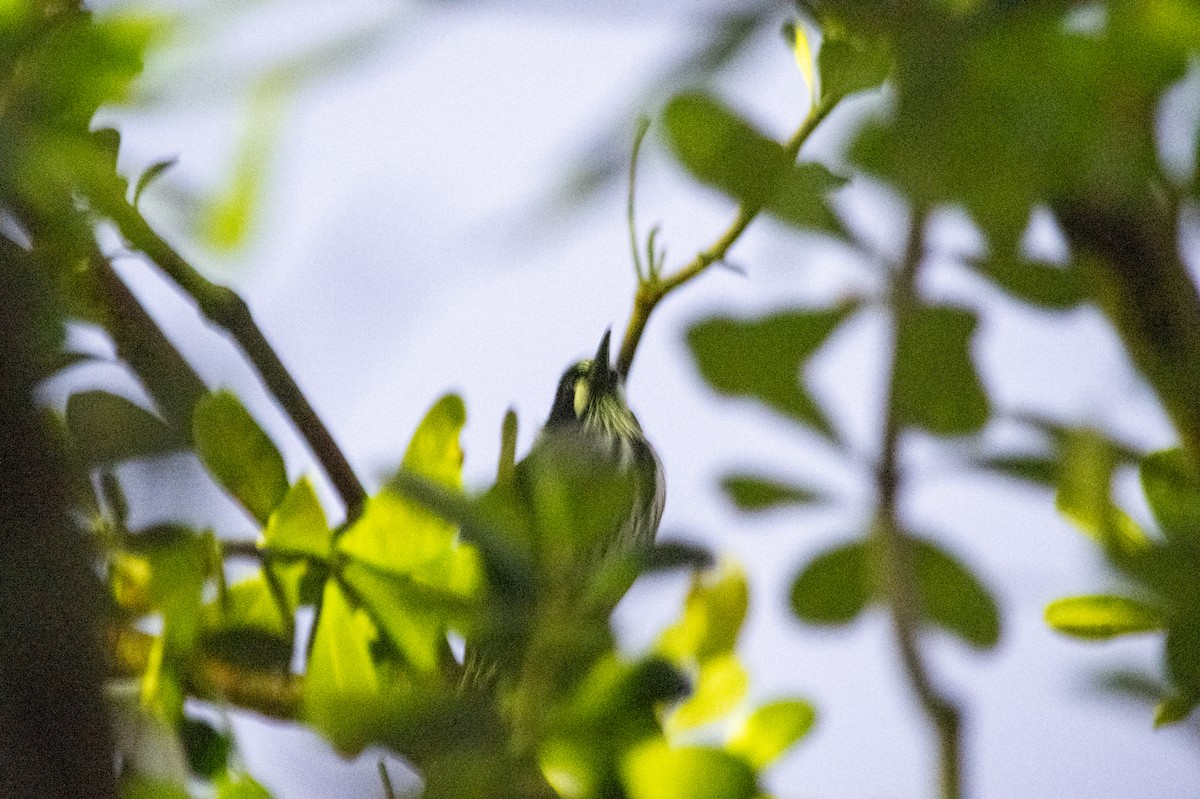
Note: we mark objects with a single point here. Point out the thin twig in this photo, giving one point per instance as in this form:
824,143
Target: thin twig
223,307
894,547
643,125
653,289
388,791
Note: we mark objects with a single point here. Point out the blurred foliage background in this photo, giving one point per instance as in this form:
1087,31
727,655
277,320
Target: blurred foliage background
342,605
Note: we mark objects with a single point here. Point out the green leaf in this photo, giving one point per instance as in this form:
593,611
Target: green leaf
712,617
800,198
1173,709
1037,469
339,669
1084,495
723,150
1099,617
395,533
415,615
108,429
250,648
754,493
141,786
238,454
1049,286
152,173
771,730
764,359
720,687
297,526
654,770
240,786
206,749
935,384
835,586
953,598
1173,490
847,65
1182,655
252,603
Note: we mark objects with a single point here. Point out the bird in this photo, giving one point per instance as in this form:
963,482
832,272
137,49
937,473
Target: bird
593,449
590,407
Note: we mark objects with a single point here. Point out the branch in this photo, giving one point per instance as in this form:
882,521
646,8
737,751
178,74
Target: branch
895,547
652,289
224,308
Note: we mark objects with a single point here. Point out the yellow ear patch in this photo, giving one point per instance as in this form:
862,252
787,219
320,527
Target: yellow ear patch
581,396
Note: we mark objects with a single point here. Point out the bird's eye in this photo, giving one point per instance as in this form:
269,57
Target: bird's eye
581,396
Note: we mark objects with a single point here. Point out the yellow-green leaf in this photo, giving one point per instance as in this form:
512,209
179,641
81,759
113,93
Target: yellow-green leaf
655,770
298,525
238,454
339,666
771,730
712,617
720,687
1098,617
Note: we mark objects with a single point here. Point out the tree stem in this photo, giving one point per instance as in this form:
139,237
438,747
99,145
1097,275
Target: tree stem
894,547
652,288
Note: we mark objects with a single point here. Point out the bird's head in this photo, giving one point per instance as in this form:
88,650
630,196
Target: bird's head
591,394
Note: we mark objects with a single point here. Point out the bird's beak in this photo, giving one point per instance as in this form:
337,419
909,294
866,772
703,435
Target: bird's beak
602,376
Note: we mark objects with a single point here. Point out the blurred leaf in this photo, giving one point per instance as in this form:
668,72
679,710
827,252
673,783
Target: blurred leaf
114,498
252,603
297,525
668,555
1099,617
1049,286
764,359
953,598
1182,655
754,493
250,648
848,65
108,429
141,786
835,586
238,454
712,617
206,749
1174,709
1173,490
797,38
414,615
771,730
1037,469
240,786
1085,492
395,533
152,173
654,770
339,667
936,385
720,687
800,198
723,150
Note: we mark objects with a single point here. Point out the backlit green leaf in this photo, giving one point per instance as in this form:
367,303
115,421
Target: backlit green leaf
1101,616
1056,288
395,533
953,598
1173,709
835,586
1173,490
764,359
339,666
655,770
723,150
771,730
238,454
936,385
754,493
712,618
849,65
108,428
297,525
1084,495
240,786
721,685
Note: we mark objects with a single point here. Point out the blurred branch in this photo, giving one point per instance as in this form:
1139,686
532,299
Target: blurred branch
894,547
1139,279
226,309
652,288
274,694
